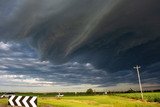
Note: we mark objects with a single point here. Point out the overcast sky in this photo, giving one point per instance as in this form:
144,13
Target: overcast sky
72,45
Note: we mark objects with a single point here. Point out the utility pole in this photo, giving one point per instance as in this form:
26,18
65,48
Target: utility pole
139,79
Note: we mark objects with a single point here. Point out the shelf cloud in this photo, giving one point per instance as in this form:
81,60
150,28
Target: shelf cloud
112,36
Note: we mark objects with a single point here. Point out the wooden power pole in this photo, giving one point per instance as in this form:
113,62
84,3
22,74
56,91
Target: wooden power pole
139,79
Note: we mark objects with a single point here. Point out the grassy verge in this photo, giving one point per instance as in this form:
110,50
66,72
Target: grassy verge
94,101
150,97
3,101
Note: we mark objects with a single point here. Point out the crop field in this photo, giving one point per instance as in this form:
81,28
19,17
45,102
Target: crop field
150,97
118,100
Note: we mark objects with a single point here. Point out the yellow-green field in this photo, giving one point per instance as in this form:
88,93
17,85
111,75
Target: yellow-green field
150,96
91,101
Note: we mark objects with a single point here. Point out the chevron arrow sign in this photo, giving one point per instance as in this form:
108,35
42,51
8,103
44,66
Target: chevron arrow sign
22,101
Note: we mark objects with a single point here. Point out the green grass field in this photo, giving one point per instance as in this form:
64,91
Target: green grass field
118,100
150,97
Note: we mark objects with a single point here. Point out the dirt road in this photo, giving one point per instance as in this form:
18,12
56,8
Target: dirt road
3,105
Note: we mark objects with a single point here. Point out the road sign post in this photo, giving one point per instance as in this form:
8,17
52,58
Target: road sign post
25,101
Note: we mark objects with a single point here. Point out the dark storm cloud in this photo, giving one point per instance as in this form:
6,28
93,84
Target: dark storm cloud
20,66
111,35
18,63
127,36
56,28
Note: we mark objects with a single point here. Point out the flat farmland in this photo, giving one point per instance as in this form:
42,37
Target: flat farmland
118,100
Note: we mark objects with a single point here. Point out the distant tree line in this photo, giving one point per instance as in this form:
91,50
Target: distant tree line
88,92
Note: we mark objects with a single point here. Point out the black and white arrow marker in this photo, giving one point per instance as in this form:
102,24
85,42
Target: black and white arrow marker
25,101
18,101
10,101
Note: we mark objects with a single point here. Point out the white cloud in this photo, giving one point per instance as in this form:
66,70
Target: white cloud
5,46
3,67
23,80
